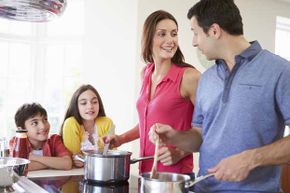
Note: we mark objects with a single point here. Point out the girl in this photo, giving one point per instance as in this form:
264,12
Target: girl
85,122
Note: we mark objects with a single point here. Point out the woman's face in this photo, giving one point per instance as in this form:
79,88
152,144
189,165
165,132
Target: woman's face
88,105
165,41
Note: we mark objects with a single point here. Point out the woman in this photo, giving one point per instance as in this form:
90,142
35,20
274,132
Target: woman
85,122
166,96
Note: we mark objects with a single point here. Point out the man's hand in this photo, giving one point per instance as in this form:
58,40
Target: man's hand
234,168
164,132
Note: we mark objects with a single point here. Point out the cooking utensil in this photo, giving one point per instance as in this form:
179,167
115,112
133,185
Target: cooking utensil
168,182
106,148
110,132
154,166
114,167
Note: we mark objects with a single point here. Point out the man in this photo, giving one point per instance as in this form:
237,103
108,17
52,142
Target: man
242,106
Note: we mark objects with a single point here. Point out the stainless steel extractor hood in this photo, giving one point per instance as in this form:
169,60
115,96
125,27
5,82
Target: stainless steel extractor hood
32,10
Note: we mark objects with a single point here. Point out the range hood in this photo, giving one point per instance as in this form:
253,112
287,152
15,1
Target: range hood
32,10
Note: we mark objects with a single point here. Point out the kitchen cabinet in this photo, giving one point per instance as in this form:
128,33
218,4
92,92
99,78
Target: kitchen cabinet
285,178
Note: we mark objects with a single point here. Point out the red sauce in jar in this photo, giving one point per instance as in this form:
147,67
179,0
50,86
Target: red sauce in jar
20,147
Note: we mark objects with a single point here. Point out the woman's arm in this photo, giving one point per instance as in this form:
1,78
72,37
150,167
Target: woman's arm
117,140
189,84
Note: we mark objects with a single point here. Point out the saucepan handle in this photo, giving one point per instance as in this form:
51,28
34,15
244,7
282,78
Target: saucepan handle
132,161
198,179
77,157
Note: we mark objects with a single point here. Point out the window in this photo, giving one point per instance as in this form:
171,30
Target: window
282,37
40,62
282,43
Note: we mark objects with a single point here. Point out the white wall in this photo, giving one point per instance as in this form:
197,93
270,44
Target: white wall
260,20
110,52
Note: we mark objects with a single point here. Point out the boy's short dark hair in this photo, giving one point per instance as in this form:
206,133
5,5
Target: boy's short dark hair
27,111
225,13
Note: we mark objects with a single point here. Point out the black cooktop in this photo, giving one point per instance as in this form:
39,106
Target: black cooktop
77,184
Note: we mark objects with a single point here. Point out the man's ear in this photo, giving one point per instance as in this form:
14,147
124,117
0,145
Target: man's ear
215,30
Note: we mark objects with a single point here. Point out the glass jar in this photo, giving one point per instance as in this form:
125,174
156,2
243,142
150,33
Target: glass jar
21,150
20,146
4,148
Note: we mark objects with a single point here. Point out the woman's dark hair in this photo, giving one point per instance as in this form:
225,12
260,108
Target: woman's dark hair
27,111
73,109
222,12
149,29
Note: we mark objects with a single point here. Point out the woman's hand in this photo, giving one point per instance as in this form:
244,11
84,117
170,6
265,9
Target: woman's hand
114,140
170,155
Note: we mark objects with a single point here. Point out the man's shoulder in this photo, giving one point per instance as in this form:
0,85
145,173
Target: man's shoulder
271,58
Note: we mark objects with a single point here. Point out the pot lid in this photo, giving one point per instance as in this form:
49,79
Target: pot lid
32,10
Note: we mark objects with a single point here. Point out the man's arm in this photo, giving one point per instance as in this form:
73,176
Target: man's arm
273,154
276,153
188,141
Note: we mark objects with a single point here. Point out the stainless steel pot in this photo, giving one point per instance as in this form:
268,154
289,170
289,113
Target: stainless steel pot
114,167
164,182
168,182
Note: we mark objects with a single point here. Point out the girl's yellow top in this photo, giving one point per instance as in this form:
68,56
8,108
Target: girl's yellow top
73,133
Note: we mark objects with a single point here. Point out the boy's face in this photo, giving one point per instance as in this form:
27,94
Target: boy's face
37,129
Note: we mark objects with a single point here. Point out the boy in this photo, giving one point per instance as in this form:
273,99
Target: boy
45,152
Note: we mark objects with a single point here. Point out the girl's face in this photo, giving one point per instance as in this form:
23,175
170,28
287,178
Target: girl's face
88,105
165,41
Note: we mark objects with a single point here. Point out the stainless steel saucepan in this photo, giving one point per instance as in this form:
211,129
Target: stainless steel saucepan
168,182
113,167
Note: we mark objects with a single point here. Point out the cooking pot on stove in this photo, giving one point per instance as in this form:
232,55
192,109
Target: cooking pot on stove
168,182
111,168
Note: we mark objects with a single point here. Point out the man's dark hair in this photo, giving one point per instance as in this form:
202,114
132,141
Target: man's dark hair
27,111
225,13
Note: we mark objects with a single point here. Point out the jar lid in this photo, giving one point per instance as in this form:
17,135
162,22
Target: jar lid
21,131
